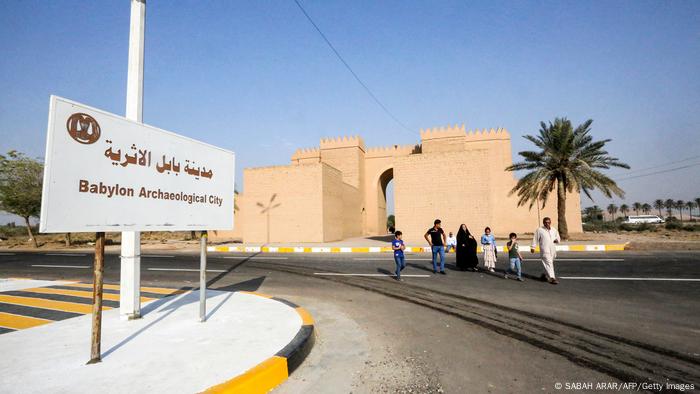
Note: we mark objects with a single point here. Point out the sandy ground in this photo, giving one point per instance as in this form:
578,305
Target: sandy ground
86,241
659,240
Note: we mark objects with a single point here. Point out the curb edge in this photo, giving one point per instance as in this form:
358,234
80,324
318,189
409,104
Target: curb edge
385,249
276,369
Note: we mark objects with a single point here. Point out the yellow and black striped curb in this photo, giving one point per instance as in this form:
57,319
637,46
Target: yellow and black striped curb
276,369
385,249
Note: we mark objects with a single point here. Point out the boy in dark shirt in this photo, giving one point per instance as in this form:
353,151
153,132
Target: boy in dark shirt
514,257
436,239
398,247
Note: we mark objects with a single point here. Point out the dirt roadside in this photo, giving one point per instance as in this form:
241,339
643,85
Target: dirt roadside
368,343
658,240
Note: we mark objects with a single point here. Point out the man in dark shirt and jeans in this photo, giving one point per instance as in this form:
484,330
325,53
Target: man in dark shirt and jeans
436,239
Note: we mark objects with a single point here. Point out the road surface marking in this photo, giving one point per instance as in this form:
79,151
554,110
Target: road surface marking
581,259
78,293
182,269
49,304
66,254
59,266
256,257
339,274
653,279
156,290
385,259
18,322
158,256
15,284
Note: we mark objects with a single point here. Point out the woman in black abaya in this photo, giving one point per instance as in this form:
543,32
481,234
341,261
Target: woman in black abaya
466,250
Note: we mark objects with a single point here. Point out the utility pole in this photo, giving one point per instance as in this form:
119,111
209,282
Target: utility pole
130,279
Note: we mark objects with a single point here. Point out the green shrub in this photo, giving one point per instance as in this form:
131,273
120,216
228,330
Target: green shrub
690,228
673,225
8,231
645,227
601,226
627,227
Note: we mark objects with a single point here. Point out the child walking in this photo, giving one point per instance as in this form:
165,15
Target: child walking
514,257
398,247
488,244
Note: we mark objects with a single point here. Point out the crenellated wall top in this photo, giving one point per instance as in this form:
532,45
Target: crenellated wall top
343,142
442,132
457,131
488,135
394,150
306,153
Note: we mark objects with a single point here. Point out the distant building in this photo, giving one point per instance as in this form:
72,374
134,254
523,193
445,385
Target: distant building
338,190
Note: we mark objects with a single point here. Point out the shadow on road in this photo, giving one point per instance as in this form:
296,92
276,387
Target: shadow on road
385,271
230,269
384,238
248,285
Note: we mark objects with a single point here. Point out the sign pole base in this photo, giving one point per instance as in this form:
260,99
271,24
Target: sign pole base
130,276
203,278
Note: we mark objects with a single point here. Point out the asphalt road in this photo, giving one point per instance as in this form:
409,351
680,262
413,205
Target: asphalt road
636,307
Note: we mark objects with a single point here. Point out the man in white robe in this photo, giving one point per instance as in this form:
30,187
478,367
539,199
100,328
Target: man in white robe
547,238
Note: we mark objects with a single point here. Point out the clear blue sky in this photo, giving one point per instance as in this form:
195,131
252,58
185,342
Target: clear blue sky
256,78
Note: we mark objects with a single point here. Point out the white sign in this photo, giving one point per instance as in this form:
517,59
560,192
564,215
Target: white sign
107,173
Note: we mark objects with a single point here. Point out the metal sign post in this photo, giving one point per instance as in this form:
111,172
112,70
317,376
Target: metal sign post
95,353
203,277
130,276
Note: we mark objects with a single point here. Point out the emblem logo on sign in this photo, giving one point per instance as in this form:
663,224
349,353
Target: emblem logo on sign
83,128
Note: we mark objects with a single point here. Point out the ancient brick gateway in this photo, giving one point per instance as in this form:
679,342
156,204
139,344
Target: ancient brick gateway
338,190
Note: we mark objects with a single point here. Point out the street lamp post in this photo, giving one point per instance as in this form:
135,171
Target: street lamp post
266,210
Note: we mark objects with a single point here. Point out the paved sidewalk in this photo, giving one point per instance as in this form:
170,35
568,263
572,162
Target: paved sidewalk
168,350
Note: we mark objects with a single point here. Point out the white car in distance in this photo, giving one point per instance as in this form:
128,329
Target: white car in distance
643,219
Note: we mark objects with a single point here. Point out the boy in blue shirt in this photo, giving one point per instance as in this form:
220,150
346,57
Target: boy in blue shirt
398,247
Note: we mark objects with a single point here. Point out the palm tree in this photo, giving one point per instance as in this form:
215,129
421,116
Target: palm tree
659,204
646,208
624,209
670,205
680,204
636,206
597,212
593,213
568,160
690,204
612,210
697,204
